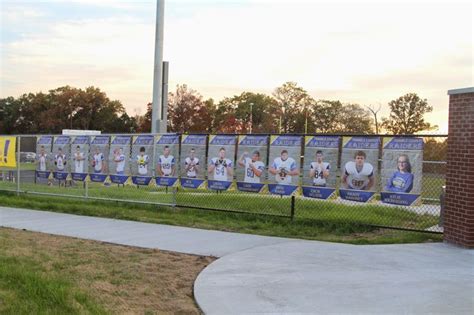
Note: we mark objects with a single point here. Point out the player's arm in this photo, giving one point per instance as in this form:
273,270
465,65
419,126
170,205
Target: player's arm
230,170
196,167
173,167
211,166
312,171
408,185
241,161
326,171
344,178
273,169
371,181
257,171
294,170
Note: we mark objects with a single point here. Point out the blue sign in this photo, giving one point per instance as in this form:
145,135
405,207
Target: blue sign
191,182
45,140
218,184
323,142
223,140
121,140
141,180
278,189
366,143
42,174
356,195
81,140
195,139
101,140
165,181
79,176
318,192
98,178
168,139
250,187
62,140
286,141
252,140
404,144
118,179
60,175
144,140
398,198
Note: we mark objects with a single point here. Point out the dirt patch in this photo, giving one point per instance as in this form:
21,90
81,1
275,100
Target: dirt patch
123,279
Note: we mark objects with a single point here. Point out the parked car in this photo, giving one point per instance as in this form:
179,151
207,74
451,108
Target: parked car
27,157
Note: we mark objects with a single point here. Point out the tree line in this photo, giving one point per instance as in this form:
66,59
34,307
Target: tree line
289,109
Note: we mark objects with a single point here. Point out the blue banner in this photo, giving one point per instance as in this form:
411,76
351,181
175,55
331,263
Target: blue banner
356,195
144,140
194,139
168,139
318,192
79,176
368,143
121,140
100,140
218,184
404,144
250,187
62,140
141,180
323,142
41,174
118,179
191,182
286,141
45,140
60,175
278,189
222,140
254,140
81,140
398,198
98,178
165,181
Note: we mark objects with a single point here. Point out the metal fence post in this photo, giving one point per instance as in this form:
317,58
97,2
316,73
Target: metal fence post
18,173
175,191
292,207
86,186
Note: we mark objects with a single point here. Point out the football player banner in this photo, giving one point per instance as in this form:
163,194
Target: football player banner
119,159
7,151
251,160
142,159
220,167
402,170
166,153
99,151
193,161
284,164
359,162
79,157
61,151
44,146
320,163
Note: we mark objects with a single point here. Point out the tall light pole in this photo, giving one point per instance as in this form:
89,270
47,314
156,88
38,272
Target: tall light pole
251,117
157,124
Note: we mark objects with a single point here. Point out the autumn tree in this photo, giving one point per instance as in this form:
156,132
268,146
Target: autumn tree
407,115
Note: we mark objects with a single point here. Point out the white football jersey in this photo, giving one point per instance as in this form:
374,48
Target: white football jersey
358,180
42,162
98,159
142,161
319,179
192,170
120,163
220,170
287,165
250,176
60,158
166,164
79,162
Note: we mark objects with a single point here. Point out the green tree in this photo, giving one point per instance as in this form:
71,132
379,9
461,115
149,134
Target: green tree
407,115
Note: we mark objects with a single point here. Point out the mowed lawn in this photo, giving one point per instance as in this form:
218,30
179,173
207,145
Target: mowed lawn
45,274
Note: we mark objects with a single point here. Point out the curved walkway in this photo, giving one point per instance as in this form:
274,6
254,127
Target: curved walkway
259,274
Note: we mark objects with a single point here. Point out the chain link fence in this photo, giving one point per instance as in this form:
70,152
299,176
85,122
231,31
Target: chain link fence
424,215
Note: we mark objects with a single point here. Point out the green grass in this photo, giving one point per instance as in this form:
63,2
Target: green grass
27,288
331,224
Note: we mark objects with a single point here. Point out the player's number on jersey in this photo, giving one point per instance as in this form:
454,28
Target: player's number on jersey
250,172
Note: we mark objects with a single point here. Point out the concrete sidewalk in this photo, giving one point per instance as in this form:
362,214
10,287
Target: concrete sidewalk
259,274
147,235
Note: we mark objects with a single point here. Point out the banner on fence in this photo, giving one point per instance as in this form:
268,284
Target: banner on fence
251,161
402,170
79,157
44,146
193,161
61,152
7,151
119,159
221,154
320,163
167,154
142,159
284,164
99,152
359,162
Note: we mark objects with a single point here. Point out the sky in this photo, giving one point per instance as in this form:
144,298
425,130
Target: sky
366,52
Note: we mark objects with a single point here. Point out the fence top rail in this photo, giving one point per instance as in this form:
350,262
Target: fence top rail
244,134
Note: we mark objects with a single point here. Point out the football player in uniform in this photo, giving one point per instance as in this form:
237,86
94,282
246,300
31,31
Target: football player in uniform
191,164
60,160
401,180
254,168
42,159
98,161
221,167
119,159
166,163
142,162
78,160
284,168
319,170
358,174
